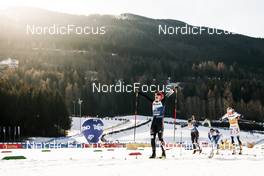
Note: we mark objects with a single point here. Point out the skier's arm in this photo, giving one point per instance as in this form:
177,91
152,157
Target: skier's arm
167,95
224,117
209,136
146,96
196,123
239,116
164,99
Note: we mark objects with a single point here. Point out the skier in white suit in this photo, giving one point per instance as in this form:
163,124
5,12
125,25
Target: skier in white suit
233,118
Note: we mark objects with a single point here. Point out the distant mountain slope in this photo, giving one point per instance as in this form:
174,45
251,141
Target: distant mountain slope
54,70
129,34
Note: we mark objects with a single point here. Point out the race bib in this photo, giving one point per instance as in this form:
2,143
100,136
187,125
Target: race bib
234,131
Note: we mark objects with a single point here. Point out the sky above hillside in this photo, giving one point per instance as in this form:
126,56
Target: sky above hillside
240,16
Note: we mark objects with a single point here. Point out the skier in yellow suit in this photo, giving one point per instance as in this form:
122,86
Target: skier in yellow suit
233,118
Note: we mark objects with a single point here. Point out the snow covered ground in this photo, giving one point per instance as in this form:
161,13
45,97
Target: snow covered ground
143,132
117,161
181,134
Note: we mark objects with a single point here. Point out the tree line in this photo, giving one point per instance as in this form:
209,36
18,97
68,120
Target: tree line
39,95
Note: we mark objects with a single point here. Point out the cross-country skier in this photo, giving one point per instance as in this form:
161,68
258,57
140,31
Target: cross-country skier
214,136
157,127
193,126
233,118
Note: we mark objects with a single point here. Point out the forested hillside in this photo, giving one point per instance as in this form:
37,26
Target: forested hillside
216,71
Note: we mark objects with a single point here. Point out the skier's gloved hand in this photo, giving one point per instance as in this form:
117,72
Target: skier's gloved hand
169,93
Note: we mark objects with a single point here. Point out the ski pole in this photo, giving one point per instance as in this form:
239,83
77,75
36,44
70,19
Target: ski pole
136,104
175,115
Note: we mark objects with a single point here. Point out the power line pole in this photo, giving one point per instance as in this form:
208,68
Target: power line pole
175,114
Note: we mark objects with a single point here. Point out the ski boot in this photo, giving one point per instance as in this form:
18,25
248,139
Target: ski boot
163,156
211,155
240,150
217,152
153,156
233,149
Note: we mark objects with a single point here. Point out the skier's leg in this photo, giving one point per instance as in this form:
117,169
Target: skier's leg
153,143
217,144
239,141
193,142
153,137
160,135
233,145
232,140
197,141
240,145
212,149
195,137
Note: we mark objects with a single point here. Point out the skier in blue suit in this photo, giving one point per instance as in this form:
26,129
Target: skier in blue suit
214,136
157,127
